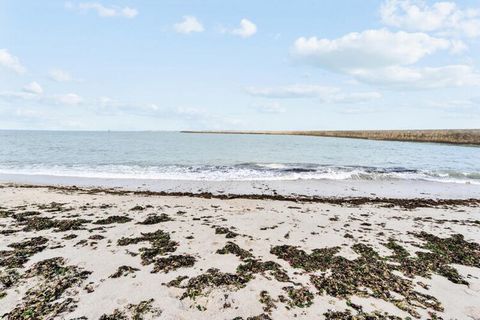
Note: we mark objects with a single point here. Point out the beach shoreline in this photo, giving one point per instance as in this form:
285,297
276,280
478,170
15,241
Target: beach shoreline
158,255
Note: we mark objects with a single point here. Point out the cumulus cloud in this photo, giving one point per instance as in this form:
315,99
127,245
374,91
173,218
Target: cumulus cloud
11,62
367,49
33,87
247,29
420,78
59,75
386,58
444,17
323,93
103,11
188,25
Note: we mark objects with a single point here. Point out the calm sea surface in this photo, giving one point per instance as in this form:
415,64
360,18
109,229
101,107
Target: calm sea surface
173,155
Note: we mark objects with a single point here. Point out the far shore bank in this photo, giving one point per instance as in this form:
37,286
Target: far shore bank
451,136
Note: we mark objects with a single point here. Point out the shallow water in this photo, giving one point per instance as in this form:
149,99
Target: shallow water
181,156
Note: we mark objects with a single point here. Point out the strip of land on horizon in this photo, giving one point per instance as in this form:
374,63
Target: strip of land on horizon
453,136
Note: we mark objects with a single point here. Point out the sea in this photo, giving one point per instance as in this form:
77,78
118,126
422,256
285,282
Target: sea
231,157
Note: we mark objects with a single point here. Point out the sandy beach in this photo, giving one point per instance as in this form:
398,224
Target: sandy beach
72,253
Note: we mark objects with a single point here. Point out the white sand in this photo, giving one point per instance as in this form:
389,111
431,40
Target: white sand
309,226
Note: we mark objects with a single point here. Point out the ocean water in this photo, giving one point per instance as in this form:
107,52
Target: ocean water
212,157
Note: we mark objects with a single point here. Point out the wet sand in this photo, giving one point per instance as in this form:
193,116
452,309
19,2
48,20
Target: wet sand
78,253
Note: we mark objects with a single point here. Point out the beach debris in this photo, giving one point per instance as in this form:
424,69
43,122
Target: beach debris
173,262
113,219
137,311
369,275
21,252
212,278
44,223
267,301
347,315
233,248
51,295
226,231
299,297
124,271
154,219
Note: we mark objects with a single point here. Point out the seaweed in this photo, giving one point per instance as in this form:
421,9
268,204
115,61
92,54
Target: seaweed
368,275
299,297
347,315
113,219
44,223
227,232
267,301
154,219
123,271
173,262
160,244
233,248
48,299
441,253
22,251
211,278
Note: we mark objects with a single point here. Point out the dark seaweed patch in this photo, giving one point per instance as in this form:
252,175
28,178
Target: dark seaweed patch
173,262
154,219
233,248
21,252
113,219
48,298
123,271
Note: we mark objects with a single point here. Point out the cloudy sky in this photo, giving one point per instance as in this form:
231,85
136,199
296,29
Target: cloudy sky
215,64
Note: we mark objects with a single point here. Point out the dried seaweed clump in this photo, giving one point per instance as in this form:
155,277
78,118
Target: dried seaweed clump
154,219
160,244
44,223
347,315
21,252
227,232
267,301
49,298
233,248
134,311
212,278
124,271
8,279
113,219
173,262
319,259
299,297
369,276
254,266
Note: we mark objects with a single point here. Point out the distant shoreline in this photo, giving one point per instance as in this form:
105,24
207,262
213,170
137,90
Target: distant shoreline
450,136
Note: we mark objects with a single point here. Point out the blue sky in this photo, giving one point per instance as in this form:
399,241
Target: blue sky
178,64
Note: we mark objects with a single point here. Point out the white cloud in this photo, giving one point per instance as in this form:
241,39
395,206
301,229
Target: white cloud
247,29
271,108
292,91
60,75
323,93
33,87
188,25
420,78
104,11
386,58
9,61
444,17
71,99
367,49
